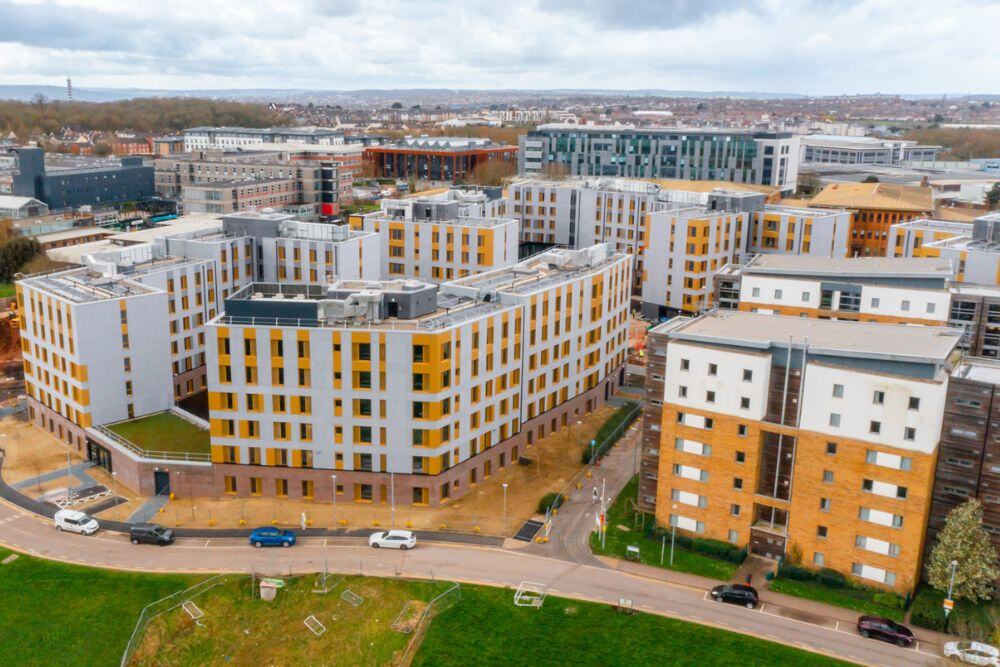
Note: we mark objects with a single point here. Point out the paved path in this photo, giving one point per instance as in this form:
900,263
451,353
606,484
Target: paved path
77,470
148,509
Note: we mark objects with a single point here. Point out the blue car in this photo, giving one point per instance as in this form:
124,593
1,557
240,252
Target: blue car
272,537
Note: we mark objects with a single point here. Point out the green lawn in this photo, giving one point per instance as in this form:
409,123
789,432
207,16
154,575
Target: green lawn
616,541
848,598
485,628
164,432
57,614
6,290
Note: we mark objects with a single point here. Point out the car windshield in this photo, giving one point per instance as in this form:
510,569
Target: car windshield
160,530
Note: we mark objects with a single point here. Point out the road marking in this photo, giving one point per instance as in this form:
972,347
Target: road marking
206,543
762,607
836,626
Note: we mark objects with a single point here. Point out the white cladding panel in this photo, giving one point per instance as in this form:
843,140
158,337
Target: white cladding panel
780,291
905,302
728,383
857,409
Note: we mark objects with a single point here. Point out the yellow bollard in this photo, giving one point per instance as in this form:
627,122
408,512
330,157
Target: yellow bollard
555,510
409,524
442,526
309,522
475,529
375,523
343,522
211,522
243,522
589,474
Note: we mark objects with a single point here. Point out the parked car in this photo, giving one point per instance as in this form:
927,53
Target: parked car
75,521
974,653
272,537
393,539
150,533
885,629
736,594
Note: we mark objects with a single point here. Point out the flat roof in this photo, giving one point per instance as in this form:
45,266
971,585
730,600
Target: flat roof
978,369
183,225
553,266
897,342
73,233
83,286
833,267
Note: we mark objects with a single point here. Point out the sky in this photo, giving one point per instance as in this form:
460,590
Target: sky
815,47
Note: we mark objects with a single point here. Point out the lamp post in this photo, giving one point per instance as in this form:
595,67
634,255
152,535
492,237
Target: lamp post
504,508
114,482
334,477
673,534
949,602
392,490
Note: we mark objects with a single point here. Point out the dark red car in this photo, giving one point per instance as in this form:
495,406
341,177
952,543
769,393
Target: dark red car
885,629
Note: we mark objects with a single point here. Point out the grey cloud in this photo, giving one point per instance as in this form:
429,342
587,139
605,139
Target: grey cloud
652,14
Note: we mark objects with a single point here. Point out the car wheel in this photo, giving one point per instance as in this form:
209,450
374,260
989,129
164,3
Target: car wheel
286,544
135,541
901,643
406,548
375,544
59,528
258,545
749,605
717,598
864,633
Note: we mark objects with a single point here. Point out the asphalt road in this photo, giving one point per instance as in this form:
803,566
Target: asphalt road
495,566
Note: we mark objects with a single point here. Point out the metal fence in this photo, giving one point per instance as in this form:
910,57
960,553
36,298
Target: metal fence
436,606
169,603
192,457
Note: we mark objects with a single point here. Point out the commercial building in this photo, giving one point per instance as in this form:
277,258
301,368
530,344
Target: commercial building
202,138
21,208
433,240
966,464
808,439
764,158
442,386
447,159
129,181
865,289
876,207
314,183
836,149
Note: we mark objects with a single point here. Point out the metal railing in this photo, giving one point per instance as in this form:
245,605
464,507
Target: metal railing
436,606
132,448
164,605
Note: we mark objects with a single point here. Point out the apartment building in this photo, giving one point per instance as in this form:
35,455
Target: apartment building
684,248
442,386
973,247
906,238
875,208
804,438
434,240
291,251
800,231
318,181
202,138
233,196
763,158
968,464
869,289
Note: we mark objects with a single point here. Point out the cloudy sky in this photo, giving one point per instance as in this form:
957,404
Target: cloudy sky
798,46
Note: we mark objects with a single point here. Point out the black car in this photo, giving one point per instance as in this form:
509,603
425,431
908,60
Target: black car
150,533
885,629
736,594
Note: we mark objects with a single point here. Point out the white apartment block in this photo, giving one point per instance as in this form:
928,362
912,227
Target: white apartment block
800,231
974,248
203,138
440,385
432,240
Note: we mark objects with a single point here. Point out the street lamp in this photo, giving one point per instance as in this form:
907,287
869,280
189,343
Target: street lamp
673,535
334,477
114,482
504,485
951,585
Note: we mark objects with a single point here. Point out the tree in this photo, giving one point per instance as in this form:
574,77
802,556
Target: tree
555,171
963,540
492,172
870,179
809,183
15,253
397,105
993,197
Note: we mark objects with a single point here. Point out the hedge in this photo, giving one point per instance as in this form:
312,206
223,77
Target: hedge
626,414
550,500
834,579
714,548
927,611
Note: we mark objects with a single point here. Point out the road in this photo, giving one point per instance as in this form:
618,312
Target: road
26,532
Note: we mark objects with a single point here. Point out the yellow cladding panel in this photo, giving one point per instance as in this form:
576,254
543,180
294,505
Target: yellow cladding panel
217,454
485,239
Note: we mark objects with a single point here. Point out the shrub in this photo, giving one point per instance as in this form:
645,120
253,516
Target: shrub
713,548
550,500
797,573
887,599
926,610
831,578
626,414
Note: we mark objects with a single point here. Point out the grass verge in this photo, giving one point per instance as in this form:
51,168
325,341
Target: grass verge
848,598
621,515
7,290
59,614
969,620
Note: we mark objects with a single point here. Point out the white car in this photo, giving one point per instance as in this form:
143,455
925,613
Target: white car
75,522
393,539
973,653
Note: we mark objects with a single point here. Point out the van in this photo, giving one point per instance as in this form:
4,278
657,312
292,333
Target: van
150,533
74,521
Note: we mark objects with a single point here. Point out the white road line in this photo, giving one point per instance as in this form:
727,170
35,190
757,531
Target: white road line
206,543
837,626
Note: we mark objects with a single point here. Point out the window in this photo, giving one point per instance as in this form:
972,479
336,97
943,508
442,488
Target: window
831,448
930,307
905,305
685,364
878,398
737,483
909,433
756,291
734,536
777,294
682,391
834,420
838,391
747,375
874,427
741,457
875,302
710,396
818,559
914,403
828,476
734,510
741,430
824,504
713,369
821,532
744,403
805,296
